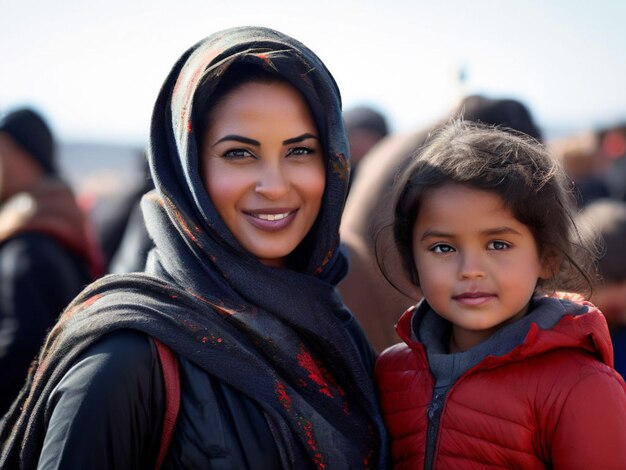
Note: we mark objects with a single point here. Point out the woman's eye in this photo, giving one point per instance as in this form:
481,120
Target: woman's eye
237,154
498,245
300,151
442,248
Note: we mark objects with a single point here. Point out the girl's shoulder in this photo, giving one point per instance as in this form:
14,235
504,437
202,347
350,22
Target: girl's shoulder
399,359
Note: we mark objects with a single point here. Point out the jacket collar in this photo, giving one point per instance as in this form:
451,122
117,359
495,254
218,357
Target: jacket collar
552,323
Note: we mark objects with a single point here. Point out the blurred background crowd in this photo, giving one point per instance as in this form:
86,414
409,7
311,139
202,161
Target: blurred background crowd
78,80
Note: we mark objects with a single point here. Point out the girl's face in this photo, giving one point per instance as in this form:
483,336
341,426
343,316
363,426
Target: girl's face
478,266
263,167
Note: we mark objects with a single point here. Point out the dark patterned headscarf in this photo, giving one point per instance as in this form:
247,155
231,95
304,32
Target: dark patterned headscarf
280,336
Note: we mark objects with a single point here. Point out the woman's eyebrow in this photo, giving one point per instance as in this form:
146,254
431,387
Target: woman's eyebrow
239,138
300,138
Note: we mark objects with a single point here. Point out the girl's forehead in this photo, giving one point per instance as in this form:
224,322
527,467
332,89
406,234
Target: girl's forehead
461,194
463,209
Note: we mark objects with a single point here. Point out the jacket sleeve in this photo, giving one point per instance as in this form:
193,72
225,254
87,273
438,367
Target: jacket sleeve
591,429
106,413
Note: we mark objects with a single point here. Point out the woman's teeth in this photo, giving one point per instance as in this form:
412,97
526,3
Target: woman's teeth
272,217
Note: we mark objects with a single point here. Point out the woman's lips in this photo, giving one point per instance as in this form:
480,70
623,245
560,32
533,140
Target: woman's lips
474,298
271,220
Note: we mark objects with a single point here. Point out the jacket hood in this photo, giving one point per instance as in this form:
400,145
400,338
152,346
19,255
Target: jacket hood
552,323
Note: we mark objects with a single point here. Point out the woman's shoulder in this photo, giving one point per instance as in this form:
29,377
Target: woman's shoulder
119,361
111,397
129,348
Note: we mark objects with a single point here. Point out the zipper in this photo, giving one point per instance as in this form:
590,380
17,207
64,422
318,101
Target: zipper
433,413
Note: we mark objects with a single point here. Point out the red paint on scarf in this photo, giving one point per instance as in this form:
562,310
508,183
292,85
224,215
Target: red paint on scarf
193,327
315,374
283,397
91,300
340,166
307,427
189,231
367,460
39,373
325,261
225,311
263,56
71,311
185,227
214,339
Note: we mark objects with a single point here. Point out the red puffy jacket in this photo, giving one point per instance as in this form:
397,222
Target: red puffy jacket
554,401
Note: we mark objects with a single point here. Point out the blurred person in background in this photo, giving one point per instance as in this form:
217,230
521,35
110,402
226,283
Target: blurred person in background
607,218
502,112
374,301
46,256
580,157
117,216
613,150
365,127
111,211
132,251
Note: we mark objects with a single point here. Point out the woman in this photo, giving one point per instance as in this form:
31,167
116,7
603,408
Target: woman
248,159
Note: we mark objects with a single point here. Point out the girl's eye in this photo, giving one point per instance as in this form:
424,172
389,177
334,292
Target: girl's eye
300,151
237,154
442,248
498,245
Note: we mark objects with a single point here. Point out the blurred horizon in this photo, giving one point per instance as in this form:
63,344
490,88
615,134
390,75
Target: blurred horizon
94,69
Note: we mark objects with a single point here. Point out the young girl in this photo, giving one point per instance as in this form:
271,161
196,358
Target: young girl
248,156
494,374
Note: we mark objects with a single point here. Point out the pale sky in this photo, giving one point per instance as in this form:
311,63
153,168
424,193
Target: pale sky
94,67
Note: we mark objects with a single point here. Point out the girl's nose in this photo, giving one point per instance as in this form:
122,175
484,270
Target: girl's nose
273,183
471,266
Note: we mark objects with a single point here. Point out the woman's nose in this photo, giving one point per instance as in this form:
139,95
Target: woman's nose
273,183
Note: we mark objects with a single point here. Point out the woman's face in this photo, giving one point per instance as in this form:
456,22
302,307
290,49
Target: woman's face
263,167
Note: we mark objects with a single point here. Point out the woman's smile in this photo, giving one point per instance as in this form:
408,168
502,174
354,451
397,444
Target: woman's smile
271,220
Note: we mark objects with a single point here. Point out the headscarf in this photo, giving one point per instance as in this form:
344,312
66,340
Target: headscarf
282,337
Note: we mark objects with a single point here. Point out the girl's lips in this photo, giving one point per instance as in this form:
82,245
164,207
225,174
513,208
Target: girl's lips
474,298
271,220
